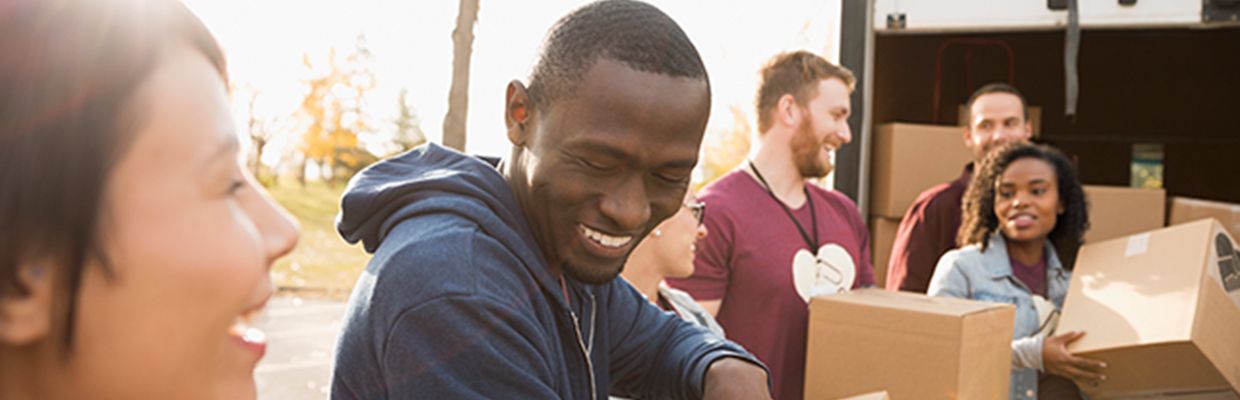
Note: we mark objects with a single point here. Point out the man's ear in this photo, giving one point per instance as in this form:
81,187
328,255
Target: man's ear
25,318
1028,129
787,111
517,113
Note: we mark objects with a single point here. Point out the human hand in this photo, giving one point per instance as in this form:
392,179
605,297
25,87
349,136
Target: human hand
1057,360
732,378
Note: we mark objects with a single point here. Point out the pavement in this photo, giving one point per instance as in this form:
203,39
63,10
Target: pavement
301,336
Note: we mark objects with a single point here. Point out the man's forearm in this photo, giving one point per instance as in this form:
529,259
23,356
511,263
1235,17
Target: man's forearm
730,378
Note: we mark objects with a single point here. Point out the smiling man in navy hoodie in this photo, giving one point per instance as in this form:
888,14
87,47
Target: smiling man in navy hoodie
496,279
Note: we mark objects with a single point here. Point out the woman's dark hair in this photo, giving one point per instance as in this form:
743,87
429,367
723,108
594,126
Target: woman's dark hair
69,73
979,219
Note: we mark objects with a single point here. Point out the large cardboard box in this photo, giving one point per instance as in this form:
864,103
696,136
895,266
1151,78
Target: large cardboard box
909,159
1184,209
882,236
1116,211
912,346
1154,308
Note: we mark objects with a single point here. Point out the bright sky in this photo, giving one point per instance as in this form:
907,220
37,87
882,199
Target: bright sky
412,46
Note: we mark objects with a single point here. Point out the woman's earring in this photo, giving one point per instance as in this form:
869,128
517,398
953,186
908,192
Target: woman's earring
658,232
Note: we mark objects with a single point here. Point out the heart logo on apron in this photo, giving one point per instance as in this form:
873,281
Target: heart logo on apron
830,271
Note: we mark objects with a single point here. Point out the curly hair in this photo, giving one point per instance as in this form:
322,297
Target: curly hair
980,221
632,32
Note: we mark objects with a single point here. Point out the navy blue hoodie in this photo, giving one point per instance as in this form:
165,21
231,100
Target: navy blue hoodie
458,302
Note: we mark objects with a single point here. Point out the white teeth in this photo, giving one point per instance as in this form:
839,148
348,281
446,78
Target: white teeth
246,332
254,335
605,240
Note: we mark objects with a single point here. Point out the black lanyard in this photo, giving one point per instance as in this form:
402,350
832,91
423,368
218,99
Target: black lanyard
812,215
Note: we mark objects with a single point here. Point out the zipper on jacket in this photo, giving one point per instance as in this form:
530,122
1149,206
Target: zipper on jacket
586,349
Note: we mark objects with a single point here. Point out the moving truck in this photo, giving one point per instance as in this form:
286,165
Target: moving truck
1158,84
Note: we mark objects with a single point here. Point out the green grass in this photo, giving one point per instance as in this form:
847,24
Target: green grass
322,260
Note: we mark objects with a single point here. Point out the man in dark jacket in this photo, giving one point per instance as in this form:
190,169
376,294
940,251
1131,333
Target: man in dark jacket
495,279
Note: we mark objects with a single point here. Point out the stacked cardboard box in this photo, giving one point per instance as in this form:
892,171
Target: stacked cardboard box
1116,211
912,346
1162,309
907,160
1184,209
910,158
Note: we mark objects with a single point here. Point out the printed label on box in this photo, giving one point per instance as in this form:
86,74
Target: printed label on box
1137,245
1226,268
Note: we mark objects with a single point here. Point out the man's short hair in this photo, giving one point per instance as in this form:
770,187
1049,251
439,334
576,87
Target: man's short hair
796,73
632,32
997,87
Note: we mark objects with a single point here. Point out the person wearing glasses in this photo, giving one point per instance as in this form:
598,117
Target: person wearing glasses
668,253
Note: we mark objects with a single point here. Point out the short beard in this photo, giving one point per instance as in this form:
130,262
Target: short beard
805,149
587,275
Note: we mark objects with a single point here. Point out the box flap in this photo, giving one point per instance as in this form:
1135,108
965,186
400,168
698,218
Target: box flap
1179,367
921,303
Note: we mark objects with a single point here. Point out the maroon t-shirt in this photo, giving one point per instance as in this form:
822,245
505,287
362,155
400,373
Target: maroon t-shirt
1050,387
747,257
927,231
1033,276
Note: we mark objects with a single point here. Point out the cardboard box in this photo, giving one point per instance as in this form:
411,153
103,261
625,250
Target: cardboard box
1154,307
870,396
912,346
1116,211
1035,116
908,159
1184,209
882,236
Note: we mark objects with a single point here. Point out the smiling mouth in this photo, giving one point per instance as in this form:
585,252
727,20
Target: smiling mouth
604,239
243,331
1022,220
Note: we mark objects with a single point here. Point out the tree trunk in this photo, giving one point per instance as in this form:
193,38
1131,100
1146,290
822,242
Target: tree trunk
458,96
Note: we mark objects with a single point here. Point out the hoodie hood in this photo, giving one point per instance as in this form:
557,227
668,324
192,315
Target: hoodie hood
435,179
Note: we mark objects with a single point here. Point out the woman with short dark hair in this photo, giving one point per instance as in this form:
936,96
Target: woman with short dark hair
133,245
1023,204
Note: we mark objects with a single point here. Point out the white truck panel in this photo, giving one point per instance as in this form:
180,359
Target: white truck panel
975,15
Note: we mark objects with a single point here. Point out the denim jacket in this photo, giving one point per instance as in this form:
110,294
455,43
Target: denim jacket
970,273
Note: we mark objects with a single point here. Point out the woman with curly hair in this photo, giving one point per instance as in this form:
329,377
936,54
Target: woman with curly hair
1024,203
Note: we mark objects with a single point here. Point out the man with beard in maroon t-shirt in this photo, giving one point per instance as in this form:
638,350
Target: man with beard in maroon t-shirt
776,240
